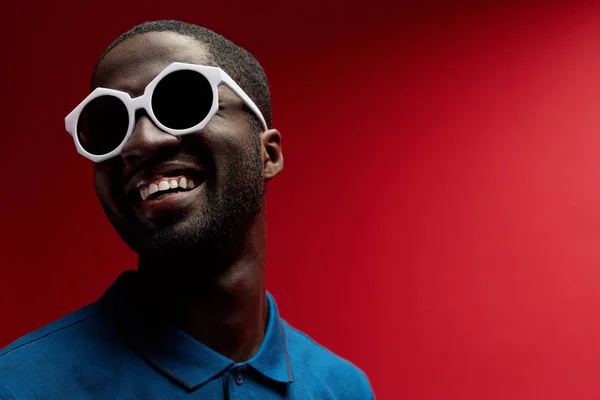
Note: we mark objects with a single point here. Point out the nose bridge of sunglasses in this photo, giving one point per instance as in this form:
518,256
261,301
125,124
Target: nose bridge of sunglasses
140,107
139,103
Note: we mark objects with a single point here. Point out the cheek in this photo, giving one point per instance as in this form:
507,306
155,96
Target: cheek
105,178
231,143
234,157
101,185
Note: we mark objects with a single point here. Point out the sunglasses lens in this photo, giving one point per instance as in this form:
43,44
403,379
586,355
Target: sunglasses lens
102,125
182,99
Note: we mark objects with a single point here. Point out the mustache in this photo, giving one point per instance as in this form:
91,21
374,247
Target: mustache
163,156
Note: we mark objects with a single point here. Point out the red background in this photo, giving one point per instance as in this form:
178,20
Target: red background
437,221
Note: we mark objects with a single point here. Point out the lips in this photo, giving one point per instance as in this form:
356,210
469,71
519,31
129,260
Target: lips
163,189
168,204
162,186
164,172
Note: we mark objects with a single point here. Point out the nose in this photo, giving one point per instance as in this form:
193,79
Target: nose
146,140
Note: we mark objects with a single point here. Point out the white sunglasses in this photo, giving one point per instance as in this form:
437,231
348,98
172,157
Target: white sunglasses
180,100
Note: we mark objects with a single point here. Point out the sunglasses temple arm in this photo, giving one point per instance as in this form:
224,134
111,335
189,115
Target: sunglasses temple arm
245,98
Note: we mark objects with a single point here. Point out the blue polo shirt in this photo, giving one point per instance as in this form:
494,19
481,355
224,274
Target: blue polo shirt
114,349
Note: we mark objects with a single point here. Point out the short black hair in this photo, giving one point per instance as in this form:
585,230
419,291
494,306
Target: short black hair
242,66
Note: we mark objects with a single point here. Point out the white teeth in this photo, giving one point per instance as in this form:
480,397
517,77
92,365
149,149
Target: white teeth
183,183
153,188
163,185
168,184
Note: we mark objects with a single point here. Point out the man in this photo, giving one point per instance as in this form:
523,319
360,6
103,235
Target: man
178,125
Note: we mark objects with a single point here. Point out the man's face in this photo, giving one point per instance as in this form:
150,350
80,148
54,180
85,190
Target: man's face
223,160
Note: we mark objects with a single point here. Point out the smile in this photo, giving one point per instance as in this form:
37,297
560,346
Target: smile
164,185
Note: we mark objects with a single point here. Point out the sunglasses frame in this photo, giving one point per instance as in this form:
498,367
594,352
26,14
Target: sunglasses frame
214,75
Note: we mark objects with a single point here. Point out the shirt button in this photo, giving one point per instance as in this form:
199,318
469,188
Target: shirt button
239,376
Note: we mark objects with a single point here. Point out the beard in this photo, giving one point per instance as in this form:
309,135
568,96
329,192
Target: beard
213,231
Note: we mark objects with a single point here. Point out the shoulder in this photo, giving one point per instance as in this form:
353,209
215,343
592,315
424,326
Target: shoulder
313,361
49,335
52,351
42,337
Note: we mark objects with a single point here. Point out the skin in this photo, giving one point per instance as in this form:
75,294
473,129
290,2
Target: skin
212,284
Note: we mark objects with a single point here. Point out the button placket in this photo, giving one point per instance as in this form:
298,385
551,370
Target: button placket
239,375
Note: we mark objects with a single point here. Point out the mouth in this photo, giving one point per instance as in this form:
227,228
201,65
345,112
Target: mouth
165,186
162,192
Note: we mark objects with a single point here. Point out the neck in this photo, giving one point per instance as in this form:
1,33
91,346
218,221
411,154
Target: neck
226,310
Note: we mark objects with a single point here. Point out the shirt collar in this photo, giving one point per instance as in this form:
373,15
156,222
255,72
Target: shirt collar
272,358
175,353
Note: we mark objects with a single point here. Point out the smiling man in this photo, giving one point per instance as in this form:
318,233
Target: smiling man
178,126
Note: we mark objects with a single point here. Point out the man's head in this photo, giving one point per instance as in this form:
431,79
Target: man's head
221,52
229,160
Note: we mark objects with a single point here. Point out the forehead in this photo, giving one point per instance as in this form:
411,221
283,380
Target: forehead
132,64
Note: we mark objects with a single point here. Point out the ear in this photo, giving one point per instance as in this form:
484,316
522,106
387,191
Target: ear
271,153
